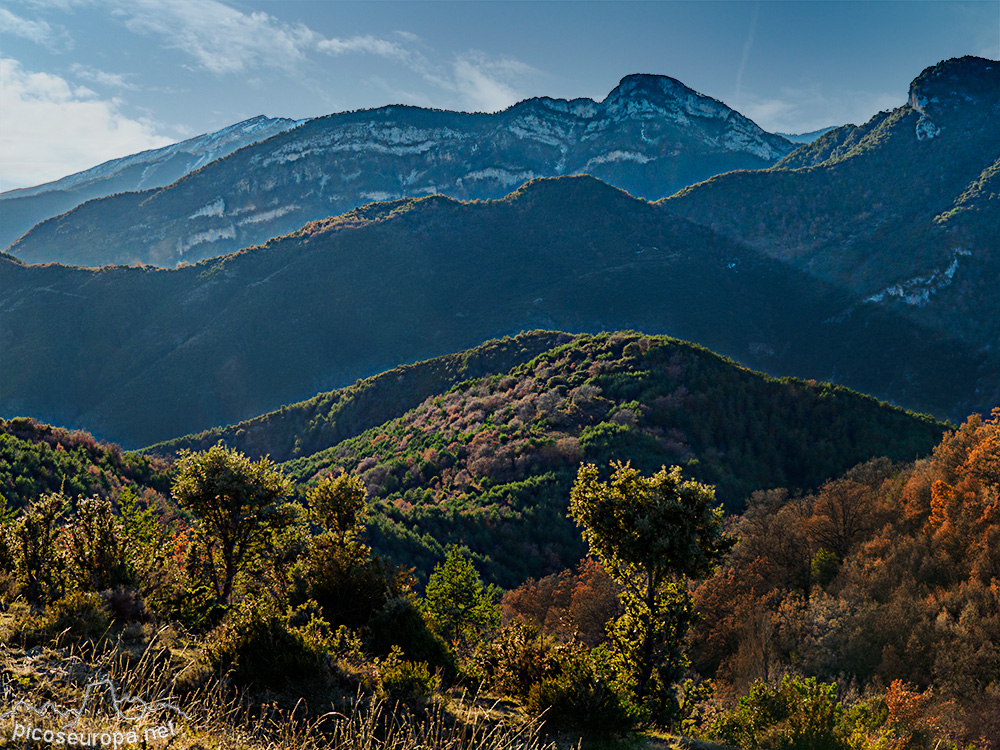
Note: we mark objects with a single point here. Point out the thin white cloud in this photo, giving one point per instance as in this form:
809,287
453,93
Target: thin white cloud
224,40
101,77
366,44
50,129
37,31
58,4
747,45
473,81
221,39
486,84
804,110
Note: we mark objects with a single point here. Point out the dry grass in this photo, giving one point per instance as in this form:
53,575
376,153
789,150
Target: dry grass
163,670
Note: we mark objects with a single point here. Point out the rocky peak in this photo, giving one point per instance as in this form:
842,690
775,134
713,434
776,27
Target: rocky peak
951,86
638,96
959,80
642,95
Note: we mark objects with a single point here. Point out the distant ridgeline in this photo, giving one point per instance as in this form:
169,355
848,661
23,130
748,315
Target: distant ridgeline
651,136
141,355
25,207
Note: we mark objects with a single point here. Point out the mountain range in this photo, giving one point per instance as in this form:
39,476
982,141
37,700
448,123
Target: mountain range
806,137
140,355
21,209
865,258
650,136
901,212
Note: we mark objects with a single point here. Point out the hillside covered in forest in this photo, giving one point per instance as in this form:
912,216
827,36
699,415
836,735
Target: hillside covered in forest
488,462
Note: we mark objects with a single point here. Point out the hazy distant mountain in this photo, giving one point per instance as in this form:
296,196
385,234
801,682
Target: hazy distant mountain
140,355
902,212
21,209
651,136
806,137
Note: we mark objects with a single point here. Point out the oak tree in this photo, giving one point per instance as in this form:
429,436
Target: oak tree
650,534
237,503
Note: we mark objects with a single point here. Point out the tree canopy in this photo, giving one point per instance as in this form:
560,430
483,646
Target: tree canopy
650,533
237,504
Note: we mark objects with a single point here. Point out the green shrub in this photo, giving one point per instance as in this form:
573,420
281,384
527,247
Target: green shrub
7,517
515,660
187,600
400,624
404,680
865,725
346,643
824,568
80,616
96,546
258,646
795,714
22,625
459,606
578,698
34,540
348,582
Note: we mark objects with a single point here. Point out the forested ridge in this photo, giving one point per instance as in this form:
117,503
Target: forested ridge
36,459
489,462
142,355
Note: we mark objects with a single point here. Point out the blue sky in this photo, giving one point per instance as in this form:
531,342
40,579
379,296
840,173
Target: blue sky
84,81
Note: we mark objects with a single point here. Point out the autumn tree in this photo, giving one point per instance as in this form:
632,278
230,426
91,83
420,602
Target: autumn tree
983,461
650,534
846,508
238,506
567,605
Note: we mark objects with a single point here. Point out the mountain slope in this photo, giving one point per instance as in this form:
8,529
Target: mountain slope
329,418
900,211
651,136
806,137
36,459
490,462
23,208
141,355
